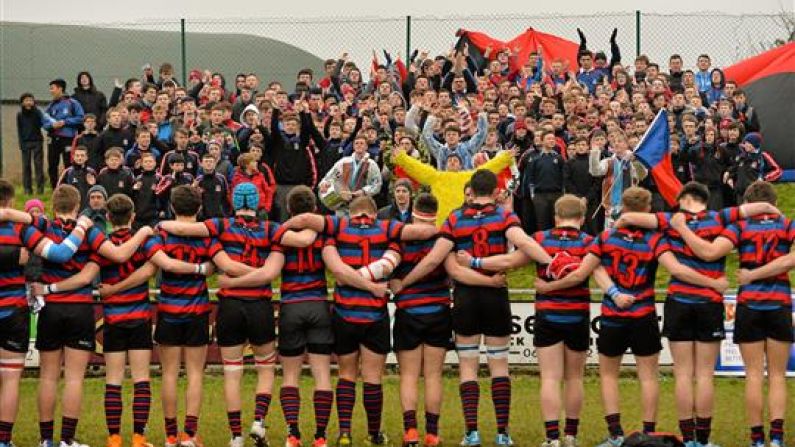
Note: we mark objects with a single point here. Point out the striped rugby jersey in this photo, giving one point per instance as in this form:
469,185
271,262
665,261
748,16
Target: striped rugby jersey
12,278
430,294
304,273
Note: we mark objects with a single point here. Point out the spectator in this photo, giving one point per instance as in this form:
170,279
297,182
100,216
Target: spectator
214,188
168,182
144,192
452,142
116,134
619,171
143,145
79,174
351,177
248,172
181,141
751,165
92,100
400,208
543,181
30,120
115,177
66,117
703,76
90,140
578,181
96,211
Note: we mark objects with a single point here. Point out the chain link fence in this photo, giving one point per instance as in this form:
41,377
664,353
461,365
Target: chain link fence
33,54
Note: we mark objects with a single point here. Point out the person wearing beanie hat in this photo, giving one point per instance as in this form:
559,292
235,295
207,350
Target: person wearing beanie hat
751,164
400,208
96,209
34,207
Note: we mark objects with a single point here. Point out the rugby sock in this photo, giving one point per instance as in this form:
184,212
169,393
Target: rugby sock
552,429
46,430
373,406
322,400
191,425
687,427
470,395
501,398
614,424
758,434
291,404
142,400
777,430
261,403
234,423
171,427
572,426
68,429
346,399
5,431
432,423
113,408
409,420
649,427
703,430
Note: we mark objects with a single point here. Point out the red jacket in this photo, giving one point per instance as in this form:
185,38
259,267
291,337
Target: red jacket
265,186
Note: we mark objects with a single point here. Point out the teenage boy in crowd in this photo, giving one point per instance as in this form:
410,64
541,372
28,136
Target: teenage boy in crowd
65,116
30,120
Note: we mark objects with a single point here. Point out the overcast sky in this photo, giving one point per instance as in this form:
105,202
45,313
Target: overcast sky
115,11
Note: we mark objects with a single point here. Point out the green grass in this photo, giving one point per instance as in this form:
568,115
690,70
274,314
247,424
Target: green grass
526,423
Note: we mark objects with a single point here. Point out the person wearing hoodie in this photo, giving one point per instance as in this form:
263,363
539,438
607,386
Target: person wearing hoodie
715,91
251,125
92,100
66,115
241,104
30,120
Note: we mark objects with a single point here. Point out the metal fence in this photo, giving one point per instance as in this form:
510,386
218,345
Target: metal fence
33,54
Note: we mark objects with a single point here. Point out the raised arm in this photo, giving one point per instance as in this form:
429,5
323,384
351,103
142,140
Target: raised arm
688,275
76,281
708,251
596,166
121,253
423,173
188,229
256,278
479,138
427,134
470,277
526,244
498,164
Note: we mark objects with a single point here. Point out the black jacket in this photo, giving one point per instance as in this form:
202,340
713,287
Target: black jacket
215,195
114,137
92,100
29,124
117,181
293,161
145,198
577,179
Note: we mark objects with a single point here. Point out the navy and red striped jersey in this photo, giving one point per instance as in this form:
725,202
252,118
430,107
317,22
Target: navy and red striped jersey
52,272
247,240
304,273
430,294
629,255
183,297
12,277
360,241
760,240
708,225
570,305
479,229
131,307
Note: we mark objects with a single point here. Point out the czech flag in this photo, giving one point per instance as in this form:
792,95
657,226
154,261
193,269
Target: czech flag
654,152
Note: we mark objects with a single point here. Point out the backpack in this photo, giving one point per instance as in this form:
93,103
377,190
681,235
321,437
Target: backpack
639,439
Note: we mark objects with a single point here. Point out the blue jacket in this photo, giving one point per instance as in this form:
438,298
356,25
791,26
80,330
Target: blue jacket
68,110
465,149
590,78
703,80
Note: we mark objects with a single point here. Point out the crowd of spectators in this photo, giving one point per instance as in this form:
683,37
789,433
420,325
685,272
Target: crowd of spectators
569,126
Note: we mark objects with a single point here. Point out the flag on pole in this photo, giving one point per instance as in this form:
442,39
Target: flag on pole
654,151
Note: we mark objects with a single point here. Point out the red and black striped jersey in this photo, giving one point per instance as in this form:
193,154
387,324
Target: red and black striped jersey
760,240
247,240
428,295
708,225
12,277
304,273
360,241
570,305
183,297
131,307
629,255
52,272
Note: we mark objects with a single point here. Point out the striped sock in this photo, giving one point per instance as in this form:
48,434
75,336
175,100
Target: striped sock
703,430
572,426
777,430
552,429
191,425
261,403
346,399
290,399
757,434
409,420
234,423
687,427
470,396
614,424
5,431
113,408
432,423
142,401
373,406
171,427
501,397
46,430
649,427
322,399
68,429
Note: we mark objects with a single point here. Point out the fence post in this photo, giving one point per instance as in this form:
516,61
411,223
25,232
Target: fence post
408,39
637,32
184,58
